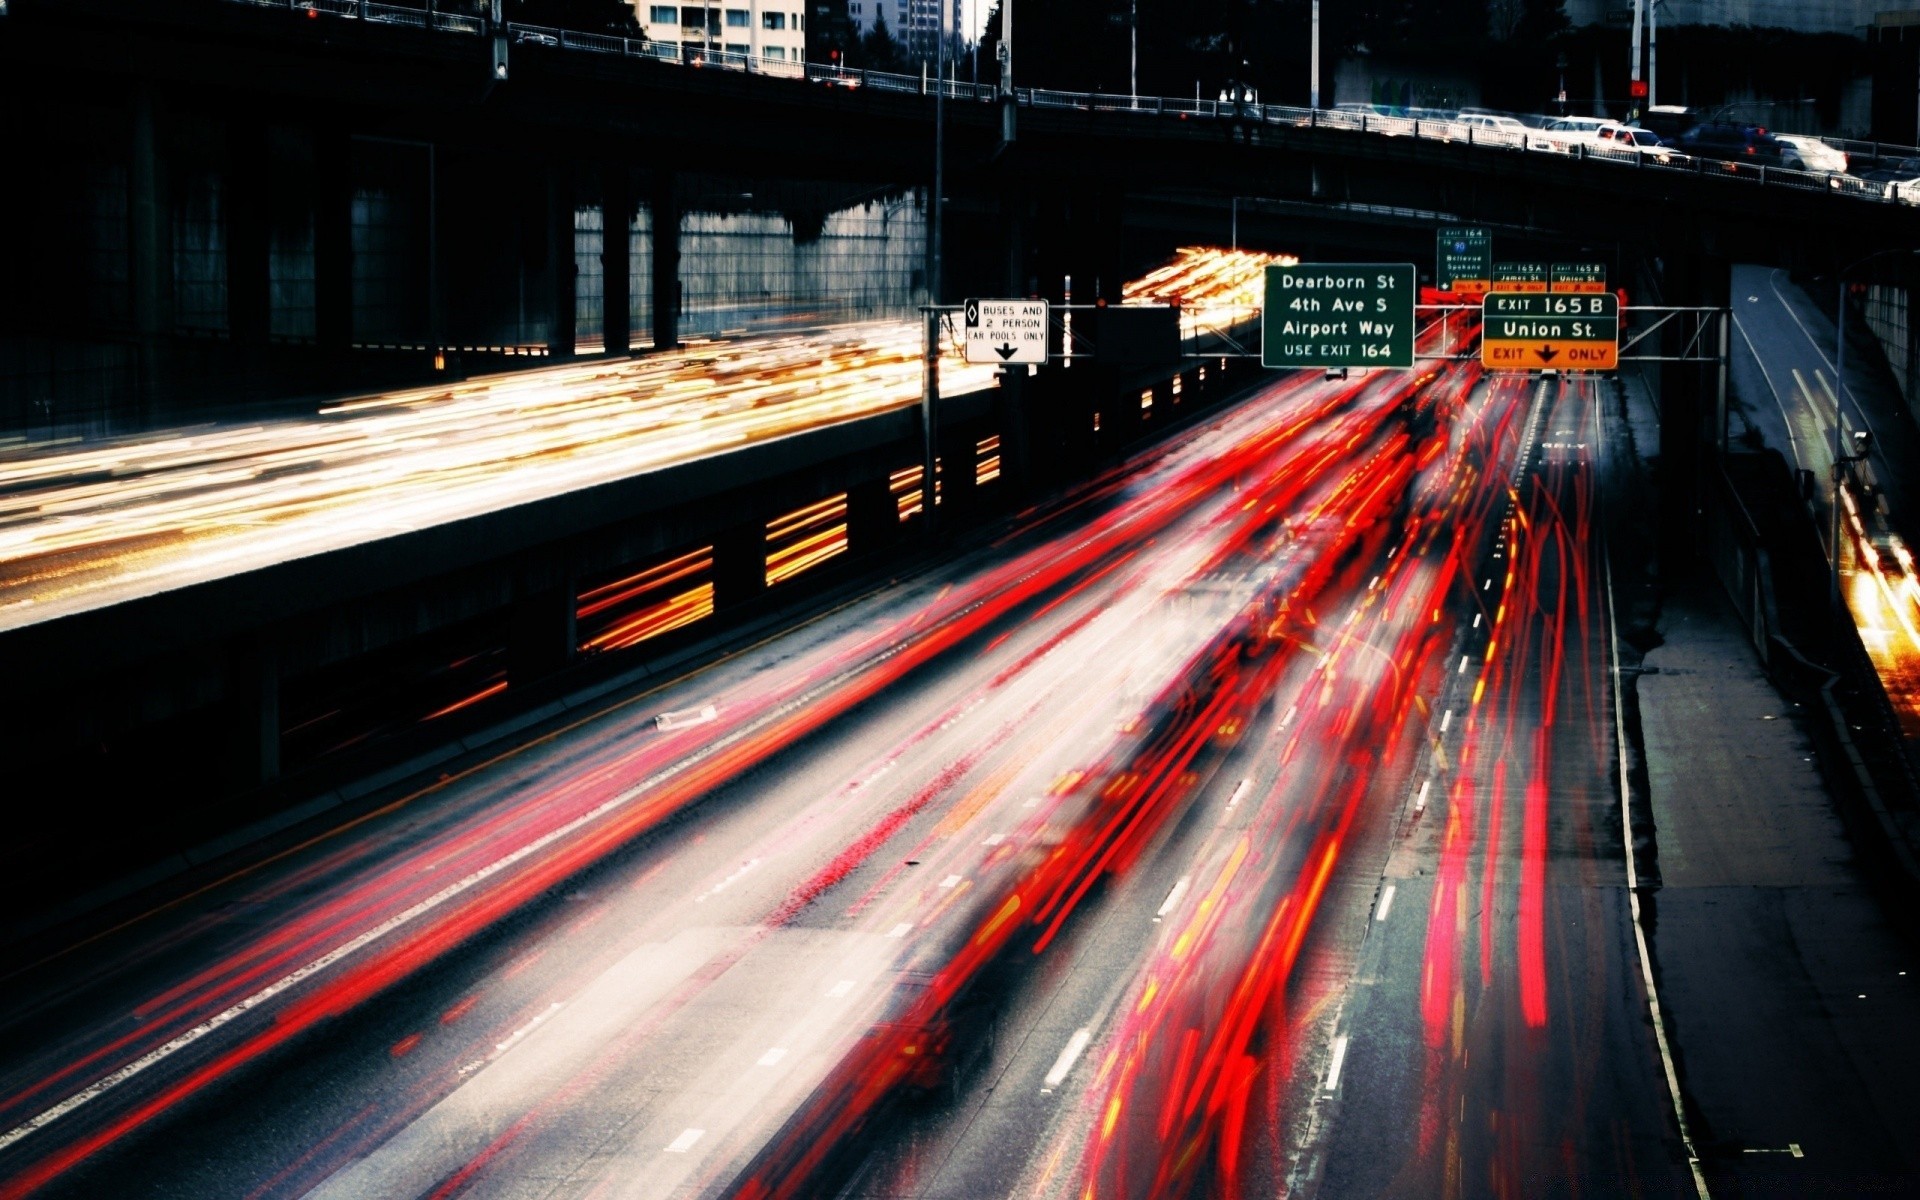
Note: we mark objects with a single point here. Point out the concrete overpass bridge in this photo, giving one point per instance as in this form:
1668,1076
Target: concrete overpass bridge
241,199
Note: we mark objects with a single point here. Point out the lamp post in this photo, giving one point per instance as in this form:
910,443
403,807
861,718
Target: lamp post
1863,439
1133,51
1313,84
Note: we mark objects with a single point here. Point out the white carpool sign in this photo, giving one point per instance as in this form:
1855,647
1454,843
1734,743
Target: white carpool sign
1006,331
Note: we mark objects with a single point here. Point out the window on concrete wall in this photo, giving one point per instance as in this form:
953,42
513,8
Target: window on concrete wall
196,187
739,18
746,271
739,48
589,281
103,217
290,262
773,53
773,20
640,271
663,14
390,238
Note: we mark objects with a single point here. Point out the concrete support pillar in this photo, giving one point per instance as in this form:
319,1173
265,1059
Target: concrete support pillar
1016,209
1015,424
1689,429
254,685
149,252
1110,247
959,465
665,203
739,565
873,520
616,316
561,318
541,633
248,211
333,242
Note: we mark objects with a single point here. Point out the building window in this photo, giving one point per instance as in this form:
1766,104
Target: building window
774,53
773,20
738,18
743,51
700,18
664,14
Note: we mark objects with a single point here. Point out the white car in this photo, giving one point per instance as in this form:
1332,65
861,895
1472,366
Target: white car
1627,141
1561,133
1500,131
1816,154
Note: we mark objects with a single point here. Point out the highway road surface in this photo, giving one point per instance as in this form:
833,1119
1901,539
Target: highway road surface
1244,822
94,524
1784,367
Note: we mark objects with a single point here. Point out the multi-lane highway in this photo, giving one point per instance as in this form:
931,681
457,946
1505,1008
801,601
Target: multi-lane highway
1785,366
1110,856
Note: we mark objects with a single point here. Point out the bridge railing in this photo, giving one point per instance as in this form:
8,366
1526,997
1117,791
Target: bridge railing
433,14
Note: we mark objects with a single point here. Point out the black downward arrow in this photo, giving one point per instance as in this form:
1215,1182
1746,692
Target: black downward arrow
1547,353
1006,352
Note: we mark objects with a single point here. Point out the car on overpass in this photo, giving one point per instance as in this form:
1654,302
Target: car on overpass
1500,130
1561,133
1669,121
1817,154
1731,142
1627,141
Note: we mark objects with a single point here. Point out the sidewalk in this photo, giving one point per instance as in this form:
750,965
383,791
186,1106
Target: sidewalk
1793,1004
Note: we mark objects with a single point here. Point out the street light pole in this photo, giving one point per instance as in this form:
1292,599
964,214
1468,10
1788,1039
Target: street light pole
1653,52
1313,97
1005,52
1633,53
1133,64
930,390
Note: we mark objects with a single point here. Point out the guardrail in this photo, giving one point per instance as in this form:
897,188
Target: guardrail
435,15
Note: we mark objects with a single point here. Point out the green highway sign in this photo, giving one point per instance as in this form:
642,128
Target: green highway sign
1519,277
1338,315
1578,277
1530,331
1463,259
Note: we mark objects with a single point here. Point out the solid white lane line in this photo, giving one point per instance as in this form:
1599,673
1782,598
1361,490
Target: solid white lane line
1672,1072
1173,897
1339,1060
1069,1055
685,1141
772,1056
1239,791
1386,903
513,1039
